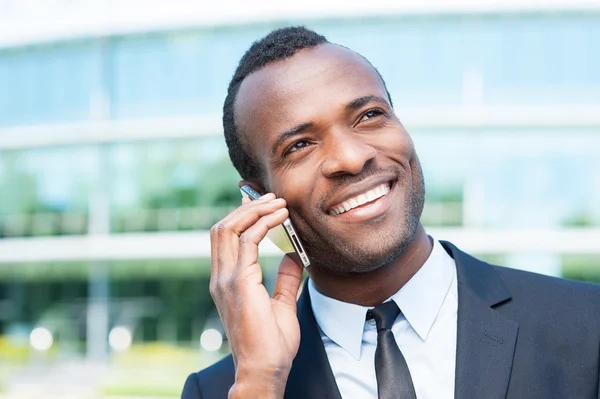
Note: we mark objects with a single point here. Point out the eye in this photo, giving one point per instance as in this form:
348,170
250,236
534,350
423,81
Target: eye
371,114
298,145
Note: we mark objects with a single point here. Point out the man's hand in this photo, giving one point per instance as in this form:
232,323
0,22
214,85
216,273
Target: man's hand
263,332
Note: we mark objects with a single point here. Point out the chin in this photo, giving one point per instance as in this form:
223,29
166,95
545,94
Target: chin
345,256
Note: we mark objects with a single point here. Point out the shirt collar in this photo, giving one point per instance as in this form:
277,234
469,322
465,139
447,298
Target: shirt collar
422,296
420,300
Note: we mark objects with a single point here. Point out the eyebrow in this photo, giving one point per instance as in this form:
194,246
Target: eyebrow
361,101
290,133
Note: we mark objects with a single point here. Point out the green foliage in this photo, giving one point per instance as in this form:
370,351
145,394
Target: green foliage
448,194
11,352
580,220
215,185
156,370
582,268
493,259
220,185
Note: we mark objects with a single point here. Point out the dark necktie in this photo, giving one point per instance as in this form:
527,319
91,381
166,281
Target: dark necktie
393,376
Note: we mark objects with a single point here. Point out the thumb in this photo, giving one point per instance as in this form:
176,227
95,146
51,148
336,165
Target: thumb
289,278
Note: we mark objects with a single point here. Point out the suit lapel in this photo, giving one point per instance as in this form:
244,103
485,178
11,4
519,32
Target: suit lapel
485,339
311,375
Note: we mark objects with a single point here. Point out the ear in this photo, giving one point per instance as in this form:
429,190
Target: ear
252,184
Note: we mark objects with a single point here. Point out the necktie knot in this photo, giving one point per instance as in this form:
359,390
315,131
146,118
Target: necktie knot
384,315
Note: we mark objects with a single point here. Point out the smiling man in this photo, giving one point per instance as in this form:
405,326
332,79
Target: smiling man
388,311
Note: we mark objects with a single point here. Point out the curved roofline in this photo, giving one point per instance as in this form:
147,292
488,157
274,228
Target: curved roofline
22,24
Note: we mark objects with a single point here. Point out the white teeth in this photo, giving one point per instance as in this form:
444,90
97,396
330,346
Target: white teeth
371,195
361,199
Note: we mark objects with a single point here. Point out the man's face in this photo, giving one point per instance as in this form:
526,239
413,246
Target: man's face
321,126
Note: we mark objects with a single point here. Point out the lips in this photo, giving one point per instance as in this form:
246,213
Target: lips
360,199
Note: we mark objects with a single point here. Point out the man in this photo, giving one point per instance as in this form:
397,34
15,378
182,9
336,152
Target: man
310,125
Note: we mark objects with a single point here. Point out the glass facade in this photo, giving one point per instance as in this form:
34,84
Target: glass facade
538,59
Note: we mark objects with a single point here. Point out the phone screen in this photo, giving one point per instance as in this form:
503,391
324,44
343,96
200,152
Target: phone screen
284,235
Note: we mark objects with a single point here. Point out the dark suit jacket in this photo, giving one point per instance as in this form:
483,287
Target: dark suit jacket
520,335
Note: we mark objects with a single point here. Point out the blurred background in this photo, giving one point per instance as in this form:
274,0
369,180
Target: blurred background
113,166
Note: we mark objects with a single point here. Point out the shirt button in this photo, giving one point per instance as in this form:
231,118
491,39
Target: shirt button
372,322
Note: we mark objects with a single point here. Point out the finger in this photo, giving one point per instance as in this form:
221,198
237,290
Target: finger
249,240
247,214
287,284
225,234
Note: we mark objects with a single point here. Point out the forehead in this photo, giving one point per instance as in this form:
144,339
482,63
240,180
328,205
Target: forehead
312,84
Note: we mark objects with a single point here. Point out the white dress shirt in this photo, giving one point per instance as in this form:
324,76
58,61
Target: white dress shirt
425,332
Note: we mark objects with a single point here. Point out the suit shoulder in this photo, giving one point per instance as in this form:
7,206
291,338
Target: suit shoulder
552,293
212,382
541,281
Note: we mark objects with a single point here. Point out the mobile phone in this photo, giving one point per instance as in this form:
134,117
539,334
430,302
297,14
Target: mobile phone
284,235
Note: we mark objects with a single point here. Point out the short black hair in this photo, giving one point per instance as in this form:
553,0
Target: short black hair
277,45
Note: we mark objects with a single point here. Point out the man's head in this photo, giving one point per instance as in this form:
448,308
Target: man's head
312,122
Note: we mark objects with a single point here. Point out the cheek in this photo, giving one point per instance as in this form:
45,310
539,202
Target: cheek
296,186
397,146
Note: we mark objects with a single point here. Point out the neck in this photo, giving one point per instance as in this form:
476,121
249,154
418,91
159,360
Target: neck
372,288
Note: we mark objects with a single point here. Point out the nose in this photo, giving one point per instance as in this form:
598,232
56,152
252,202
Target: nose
347,154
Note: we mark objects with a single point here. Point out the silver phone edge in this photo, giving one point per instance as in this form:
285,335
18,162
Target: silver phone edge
297,244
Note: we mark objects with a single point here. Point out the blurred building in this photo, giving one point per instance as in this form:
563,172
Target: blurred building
113,166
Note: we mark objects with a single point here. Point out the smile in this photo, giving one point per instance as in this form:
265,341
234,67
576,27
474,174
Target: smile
361,199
